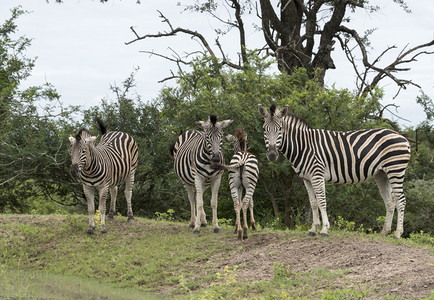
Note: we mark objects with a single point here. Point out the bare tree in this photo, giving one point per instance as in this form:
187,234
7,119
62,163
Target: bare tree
301,33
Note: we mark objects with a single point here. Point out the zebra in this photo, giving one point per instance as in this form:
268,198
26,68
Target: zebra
103,167
194,152
243,172
351,157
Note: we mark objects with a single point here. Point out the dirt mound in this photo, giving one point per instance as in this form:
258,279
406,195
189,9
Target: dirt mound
397,270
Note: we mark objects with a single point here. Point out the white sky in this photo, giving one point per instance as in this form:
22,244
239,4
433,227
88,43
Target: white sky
80,46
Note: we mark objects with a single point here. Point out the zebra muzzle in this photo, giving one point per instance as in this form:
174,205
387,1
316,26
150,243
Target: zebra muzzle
272,153
215,159
75,169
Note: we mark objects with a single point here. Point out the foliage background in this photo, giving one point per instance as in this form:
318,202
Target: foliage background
34,126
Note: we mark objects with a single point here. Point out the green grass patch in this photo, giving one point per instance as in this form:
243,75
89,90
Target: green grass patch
42,285
53,257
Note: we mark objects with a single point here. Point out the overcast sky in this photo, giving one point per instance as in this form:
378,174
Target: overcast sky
80,46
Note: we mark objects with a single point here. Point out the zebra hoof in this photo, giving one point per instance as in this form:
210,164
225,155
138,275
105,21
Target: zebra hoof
324,234
245,237
110,218
196,231
131,220
90,231
203,225
312,233
216,230
191,226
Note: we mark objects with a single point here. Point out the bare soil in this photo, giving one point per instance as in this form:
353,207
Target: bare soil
370,264
389,269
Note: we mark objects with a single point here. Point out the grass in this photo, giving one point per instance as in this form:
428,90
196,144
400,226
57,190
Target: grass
53,257
42,285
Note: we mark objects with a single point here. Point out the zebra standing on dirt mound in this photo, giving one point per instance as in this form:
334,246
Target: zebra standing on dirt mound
103,167
194,152
243,172
350,157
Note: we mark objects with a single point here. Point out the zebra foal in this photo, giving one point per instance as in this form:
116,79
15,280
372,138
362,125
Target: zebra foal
243,172
103,167
194,152
350,157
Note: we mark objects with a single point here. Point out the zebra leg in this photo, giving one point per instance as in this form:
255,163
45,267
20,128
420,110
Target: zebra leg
249,195
252,218
89,192
203,222
192,198
245,227
215,185
398,194
128,194
199,204
386,193
237,208
238,193
319,188
102,207
113,196
316,223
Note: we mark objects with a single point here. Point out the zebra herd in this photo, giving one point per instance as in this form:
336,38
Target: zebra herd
103,167
316,155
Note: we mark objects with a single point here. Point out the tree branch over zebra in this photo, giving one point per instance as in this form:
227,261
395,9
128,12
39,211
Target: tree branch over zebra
243,172
194,153
351,157
103,167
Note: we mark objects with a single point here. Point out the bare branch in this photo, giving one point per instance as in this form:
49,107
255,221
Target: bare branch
172,32
225,60
388,70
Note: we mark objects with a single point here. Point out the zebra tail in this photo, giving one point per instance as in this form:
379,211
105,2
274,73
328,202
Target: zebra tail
229,167
101,126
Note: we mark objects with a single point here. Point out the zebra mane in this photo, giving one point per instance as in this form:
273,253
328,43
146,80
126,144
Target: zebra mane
213,119
297,118
239,133
101,126
80,133
272,109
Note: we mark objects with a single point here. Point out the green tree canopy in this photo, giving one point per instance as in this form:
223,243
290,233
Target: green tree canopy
32,145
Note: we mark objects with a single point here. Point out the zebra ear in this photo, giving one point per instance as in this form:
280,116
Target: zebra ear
90,140
284,111
72,140
201,123
230,137
263,111
224,124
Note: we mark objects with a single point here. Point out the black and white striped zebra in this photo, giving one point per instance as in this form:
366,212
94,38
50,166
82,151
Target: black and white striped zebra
194,152
103,167
243,172
341,157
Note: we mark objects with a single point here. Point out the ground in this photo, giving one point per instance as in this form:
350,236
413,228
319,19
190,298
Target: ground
407,272
387,268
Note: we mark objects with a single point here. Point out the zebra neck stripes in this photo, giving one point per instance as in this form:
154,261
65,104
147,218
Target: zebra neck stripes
342,157
103,167
194,153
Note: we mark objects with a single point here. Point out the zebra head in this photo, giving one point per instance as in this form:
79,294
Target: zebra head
213,136
273,129
78,151
239,140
